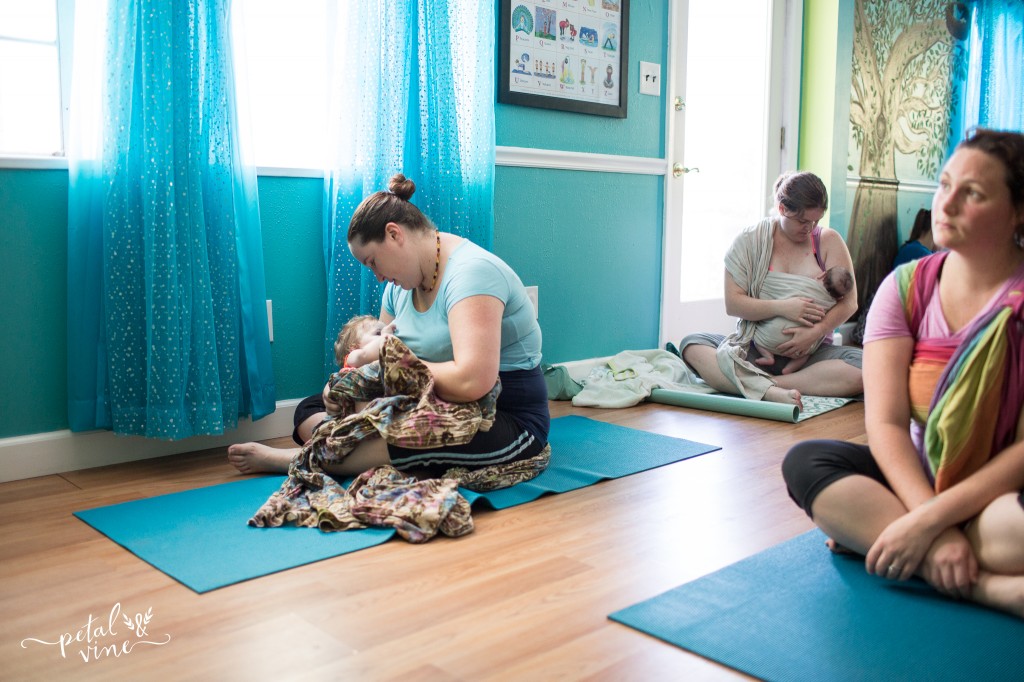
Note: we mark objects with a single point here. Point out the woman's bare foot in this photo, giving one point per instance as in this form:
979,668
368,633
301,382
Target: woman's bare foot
836,548
788,396
1003,592
254,458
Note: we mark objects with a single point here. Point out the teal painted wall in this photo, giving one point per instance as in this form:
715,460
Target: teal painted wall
33,300
291,213
641,133
591,241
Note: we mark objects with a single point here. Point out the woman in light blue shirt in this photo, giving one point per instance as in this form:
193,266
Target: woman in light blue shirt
466,314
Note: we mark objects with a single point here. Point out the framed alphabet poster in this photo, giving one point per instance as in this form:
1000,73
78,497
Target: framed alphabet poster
564,54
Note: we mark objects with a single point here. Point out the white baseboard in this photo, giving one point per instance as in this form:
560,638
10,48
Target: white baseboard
55,452
42,454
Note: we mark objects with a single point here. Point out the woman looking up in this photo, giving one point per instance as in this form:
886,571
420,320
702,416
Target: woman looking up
936,492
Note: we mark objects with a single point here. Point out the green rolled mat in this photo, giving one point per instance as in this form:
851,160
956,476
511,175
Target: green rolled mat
718,402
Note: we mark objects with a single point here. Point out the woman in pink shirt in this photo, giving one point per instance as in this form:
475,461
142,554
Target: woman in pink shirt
937,490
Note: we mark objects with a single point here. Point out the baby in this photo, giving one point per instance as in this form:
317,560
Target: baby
360,340
768,336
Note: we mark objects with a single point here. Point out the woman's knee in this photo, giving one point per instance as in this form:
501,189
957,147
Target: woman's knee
997,535
811,466
796,471
698,356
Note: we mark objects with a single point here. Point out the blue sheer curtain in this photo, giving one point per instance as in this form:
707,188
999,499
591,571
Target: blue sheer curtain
167,323
412,91
994,88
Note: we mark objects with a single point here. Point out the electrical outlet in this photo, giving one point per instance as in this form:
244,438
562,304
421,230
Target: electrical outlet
270,319
650,79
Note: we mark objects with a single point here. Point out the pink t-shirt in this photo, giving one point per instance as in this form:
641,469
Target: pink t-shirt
887,319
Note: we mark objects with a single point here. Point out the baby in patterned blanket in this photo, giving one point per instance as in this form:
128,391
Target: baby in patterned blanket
360,340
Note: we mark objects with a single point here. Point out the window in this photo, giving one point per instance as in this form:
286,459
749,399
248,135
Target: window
283,49
34,83
283,53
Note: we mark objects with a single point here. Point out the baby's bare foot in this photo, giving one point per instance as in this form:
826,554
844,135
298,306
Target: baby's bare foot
254,458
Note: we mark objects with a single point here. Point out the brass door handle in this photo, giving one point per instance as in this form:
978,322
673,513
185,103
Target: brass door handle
678,169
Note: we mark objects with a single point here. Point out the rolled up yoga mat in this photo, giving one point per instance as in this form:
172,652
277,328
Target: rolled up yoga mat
762,409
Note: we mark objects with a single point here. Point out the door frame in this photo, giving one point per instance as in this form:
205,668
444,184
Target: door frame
678,319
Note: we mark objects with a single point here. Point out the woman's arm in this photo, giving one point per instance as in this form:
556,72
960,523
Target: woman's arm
475,327
739,304
887,418
836,254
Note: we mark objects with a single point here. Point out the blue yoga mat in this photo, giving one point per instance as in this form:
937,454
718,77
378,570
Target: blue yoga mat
200,537
798,612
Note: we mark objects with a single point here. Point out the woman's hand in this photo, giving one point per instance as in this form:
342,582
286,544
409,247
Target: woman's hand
901,546
801,310
950,565
800,341
332,408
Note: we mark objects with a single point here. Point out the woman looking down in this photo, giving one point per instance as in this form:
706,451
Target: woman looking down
768,269
462,311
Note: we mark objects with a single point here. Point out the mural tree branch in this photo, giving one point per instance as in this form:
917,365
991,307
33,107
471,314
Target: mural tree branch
901,101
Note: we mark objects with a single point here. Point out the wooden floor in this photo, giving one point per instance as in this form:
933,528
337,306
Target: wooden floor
524,597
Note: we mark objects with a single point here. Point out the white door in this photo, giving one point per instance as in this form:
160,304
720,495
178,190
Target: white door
735,70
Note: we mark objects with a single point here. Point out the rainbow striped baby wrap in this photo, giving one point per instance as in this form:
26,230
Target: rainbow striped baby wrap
976,398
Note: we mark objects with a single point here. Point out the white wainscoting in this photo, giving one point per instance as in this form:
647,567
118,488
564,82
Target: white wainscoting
42,454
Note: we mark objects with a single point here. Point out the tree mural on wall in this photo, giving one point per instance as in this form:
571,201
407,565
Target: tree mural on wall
904,57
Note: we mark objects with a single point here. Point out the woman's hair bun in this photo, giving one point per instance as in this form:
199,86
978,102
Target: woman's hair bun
401,186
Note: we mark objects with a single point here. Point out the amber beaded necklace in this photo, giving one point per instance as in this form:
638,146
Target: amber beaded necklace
437,264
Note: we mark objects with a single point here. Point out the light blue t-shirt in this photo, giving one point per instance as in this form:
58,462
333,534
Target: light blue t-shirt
471,271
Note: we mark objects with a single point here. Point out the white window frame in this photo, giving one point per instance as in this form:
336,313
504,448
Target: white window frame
65,48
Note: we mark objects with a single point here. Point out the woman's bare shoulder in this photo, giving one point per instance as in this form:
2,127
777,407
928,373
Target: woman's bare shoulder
833,243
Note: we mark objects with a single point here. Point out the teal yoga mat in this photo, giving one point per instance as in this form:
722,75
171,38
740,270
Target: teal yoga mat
718,402
798,612
200,537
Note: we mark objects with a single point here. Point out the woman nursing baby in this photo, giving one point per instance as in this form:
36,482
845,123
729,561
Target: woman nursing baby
768,270
825,290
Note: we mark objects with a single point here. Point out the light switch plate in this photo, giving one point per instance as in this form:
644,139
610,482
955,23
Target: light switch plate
650,79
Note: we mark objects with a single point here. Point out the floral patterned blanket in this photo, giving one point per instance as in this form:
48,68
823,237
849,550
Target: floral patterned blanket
404,410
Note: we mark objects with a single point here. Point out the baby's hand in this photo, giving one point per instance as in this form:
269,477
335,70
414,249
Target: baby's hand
366,354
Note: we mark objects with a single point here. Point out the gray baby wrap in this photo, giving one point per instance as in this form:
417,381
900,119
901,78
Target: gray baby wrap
777,286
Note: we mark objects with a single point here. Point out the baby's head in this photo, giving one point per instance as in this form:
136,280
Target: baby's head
838,281
356,333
